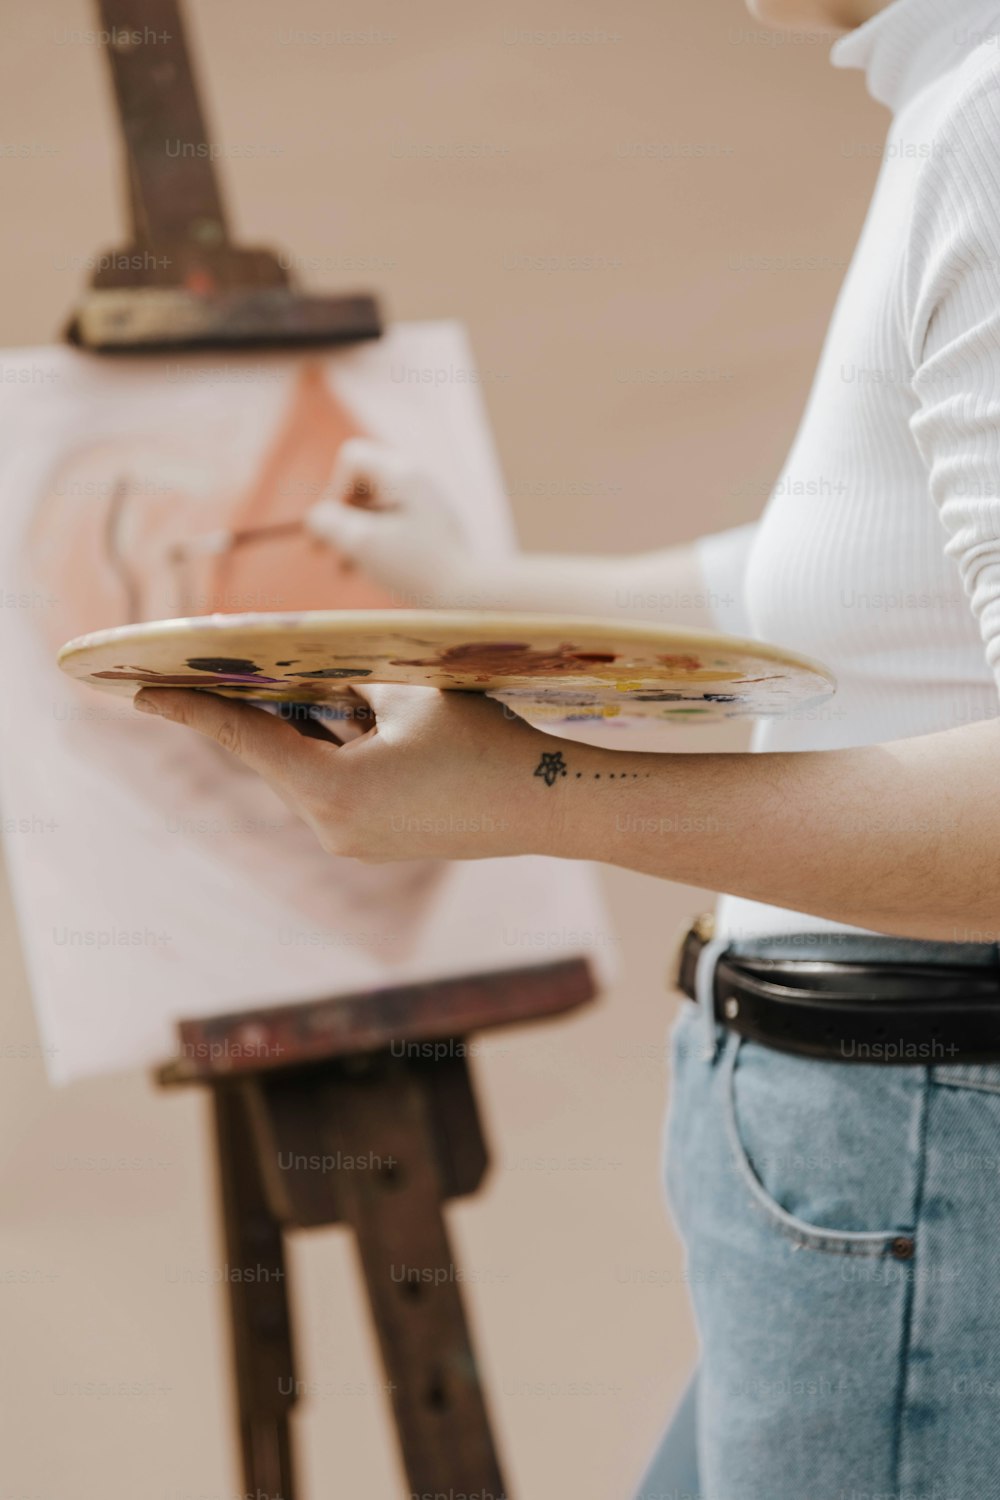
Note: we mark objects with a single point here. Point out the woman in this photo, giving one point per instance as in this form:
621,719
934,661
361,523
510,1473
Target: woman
840,1219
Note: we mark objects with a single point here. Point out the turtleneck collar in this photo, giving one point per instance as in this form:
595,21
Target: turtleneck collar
912,42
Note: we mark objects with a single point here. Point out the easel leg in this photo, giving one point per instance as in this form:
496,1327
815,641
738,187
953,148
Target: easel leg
258,1304
376,1121
413,1286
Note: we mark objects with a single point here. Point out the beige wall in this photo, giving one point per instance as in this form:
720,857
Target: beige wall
722,243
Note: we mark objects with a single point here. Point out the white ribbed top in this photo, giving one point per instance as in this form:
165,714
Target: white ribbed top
879,550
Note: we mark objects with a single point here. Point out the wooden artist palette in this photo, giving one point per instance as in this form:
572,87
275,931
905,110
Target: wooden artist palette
543,666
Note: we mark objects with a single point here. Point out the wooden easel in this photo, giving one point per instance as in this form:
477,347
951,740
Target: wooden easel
380,1080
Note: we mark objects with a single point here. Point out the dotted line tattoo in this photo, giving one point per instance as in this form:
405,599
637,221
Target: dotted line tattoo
552,766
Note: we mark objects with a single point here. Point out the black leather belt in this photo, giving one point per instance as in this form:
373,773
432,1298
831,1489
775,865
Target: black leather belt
848,997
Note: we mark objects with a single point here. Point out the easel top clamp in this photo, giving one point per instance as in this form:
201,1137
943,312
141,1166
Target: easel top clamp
321,1080
182,284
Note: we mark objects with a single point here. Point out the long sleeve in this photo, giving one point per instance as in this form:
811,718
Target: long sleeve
952,314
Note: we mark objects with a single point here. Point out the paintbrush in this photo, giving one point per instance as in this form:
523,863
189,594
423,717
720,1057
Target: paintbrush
214,543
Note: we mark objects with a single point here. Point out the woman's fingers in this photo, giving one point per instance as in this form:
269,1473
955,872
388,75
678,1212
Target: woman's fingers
367,479
370,475
390,518
430,778
342,526
265,743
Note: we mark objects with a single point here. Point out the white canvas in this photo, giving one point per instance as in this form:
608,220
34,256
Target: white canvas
156,879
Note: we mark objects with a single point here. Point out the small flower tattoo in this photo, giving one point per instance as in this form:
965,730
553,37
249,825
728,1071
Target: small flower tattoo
551,767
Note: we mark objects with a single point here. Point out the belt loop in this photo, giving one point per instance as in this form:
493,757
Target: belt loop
704,991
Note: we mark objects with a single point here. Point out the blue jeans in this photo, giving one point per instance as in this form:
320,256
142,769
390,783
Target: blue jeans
842,1232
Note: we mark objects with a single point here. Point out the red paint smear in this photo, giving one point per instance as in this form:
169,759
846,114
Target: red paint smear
507,658
682,663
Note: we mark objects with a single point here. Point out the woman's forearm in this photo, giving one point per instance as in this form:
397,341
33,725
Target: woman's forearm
901,838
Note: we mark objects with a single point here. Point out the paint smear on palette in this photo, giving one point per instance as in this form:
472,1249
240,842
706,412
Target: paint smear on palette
490,659
332,672
682,663
486,659
231,665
